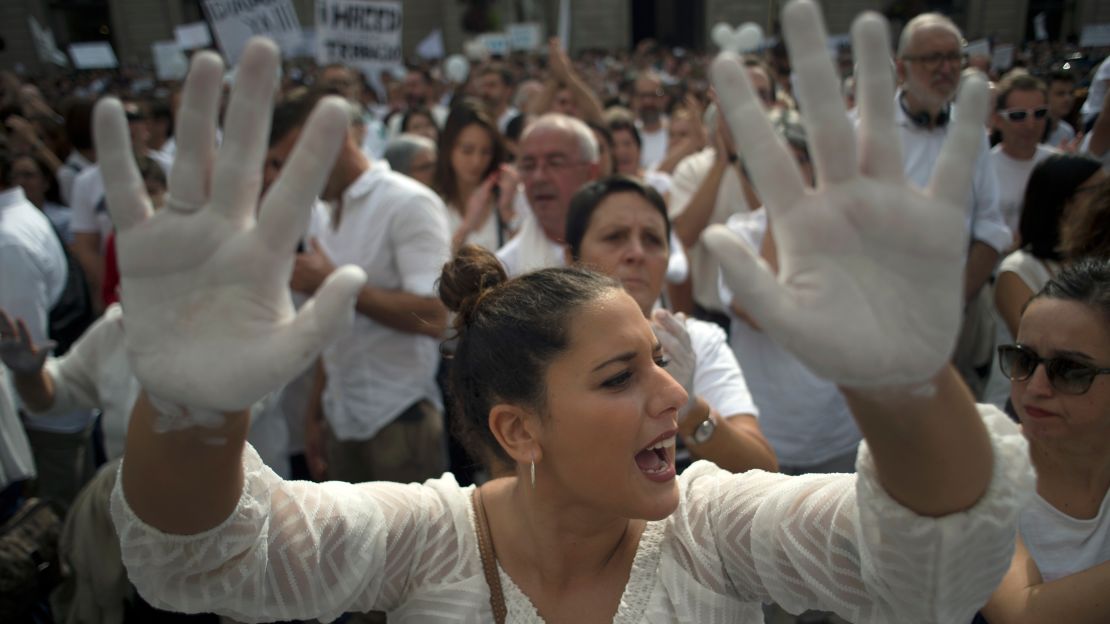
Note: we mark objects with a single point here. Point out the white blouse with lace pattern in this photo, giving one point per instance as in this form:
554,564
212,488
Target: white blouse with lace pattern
298,550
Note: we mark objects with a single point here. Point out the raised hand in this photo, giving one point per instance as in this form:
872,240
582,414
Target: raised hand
869,287
675,340
18,350
210,326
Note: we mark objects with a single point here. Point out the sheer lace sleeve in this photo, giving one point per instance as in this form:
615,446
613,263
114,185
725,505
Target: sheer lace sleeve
840,543
300,550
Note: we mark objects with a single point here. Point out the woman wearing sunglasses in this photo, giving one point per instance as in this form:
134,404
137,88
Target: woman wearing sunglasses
1060,369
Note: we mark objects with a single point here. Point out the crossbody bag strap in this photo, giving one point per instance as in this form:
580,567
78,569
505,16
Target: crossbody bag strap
489,559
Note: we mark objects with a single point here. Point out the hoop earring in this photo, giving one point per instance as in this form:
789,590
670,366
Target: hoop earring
533,471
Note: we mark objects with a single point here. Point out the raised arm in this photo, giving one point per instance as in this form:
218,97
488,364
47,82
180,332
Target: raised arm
868,293
210,326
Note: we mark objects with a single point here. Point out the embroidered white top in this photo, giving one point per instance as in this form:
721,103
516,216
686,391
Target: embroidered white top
297,550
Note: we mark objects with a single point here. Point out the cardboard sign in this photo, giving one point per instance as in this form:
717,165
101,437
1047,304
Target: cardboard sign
1003,57
234,22
192,36
527,37
94,55
365,34
169,60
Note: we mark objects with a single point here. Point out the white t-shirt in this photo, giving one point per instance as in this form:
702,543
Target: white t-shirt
920,152
1099,84
653,146
1062,133
299,550
1063,545
75,164
395,229
804,417
90,213
688,177
531,249
1013,176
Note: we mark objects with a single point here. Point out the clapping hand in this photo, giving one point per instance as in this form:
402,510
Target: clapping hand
18,350
210,326
869,288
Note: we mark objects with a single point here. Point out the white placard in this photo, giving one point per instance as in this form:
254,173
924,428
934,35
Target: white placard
527,37
360,33
234,22
192,36
431,47
979,47
45,47
496,43
169,60
1095,35
1003,57
94,55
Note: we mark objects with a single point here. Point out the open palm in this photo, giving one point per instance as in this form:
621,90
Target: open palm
209,323
869,287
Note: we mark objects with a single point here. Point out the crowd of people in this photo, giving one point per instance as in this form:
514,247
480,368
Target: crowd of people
783,336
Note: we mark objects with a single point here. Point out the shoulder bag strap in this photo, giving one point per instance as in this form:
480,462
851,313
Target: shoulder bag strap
489,559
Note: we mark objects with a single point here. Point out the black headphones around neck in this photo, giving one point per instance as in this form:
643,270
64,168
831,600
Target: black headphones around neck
923,119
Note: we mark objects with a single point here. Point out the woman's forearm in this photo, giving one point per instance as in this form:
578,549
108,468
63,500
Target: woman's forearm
183,481
1024,598
931,450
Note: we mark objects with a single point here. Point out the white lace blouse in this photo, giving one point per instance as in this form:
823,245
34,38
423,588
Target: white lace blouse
295,550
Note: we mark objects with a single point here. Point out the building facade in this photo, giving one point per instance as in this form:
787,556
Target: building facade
133,25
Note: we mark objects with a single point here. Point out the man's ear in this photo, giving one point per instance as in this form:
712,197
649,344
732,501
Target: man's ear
518,431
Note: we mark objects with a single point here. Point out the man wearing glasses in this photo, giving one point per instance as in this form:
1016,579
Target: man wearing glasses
648,102
558,155
929,64
1020,116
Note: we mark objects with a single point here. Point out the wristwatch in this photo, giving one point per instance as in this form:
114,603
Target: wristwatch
705,430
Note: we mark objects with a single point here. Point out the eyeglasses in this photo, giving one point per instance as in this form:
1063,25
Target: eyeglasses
1067,376
1021,114
556,163
932,61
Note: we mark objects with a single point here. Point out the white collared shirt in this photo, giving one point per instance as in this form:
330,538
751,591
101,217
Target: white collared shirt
920,152
395,229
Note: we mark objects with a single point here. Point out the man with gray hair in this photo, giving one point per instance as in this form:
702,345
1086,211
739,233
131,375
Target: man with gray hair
413,155
929,64
558,155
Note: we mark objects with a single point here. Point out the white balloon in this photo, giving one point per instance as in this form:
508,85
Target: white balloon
748,37
721,34
457,68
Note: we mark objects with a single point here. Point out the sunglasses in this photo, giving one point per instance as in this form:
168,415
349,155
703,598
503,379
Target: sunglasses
1020,114
1064,375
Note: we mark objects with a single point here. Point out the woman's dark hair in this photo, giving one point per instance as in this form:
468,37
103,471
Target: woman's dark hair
467,113
603,131
1085,230
589,197
420,111
508,332
52,193
1051,185
1086,281
627,124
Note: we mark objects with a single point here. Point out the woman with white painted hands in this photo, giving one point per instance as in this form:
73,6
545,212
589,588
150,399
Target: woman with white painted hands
559,374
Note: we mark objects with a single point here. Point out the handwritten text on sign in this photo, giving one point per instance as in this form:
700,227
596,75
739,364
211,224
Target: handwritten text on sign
236,21
362,33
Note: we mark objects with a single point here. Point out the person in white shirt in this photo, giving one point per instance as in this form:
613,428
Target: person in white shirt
1061,101
1096,94
561,375
619,226
648,103
378,411
558,155
1060,387
32,277
929,62
78,120
1021,114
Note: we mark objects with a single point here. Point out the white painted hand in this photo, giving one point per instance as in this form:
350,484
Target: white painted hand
210,325
675,340
869,288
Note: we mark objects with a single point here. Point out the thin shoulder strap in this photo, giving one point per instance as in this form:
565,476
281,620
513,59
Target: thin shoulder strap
489,559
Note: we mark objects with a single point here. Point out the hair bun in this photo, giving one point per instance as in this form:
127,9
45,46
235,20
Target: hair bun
466,278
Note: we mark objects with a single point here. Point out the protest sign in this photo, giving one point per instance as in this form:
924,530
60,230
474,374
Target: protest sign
93,55
45,47
192,36
365,34
496,43
431,47
979,47
234,22
169,61
1095,35
1002,59
527,37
